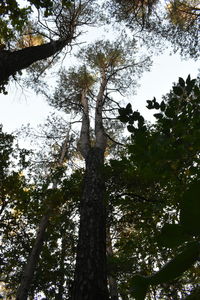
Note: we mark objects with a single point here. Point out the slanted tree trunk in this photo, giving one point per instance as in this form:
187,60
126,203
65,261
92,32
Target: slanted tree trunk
11,62
27,277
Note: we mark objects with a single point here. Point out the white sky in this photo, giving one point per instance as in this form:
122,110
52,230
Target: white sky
22,107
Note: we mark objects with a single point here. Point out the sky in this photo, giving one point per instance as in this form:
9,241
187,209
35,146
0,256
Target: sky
22,106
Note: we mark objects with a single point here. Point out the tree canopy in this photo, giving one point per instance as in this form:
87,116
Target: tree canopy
94,212
173,20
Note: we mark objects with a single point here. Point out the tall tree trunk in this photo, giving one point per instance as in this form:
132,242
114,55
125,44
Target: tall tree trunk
90,280
27,277
90,275
26,280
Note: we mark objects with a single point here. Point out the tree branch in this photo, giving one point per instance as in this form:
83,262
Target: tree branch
12,62
115,141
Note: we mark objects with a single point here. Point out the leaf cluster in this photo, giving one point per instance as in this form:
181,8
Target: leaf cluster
72,84
162,177
174,21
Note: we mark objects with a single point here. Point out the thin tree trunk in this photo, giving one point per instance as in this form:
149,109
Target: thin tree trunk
27,277
90,275
101,140
84,143
26,280
111,280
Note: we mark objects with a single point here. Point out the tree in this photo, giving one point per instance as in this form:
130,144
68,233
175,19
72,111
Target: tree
65,16
52,195
36,203
162,153
89,86
175,21
29,270
13,189
108,67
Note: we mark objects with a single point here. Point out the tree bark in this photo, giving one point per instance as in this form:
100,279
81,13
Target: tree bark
101,140
84,142
90,281
11,62
26,280
27,277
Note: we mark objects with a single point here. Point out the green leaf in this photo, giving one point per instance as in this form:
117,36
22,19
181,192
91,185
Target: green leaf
141,119
197,91
189,89
178,90
153,104
181,82
169,112
135,116
128,108
162,106
190,210
149,105
178,265
123,118
139,287
158,116
122,111
190,86
131,128
156,105
172,235
188,79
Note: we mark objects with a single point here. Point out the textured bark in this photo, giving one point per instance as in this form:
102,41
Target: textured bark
101,140
11,62
90,275
84,143
26,280
90,280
